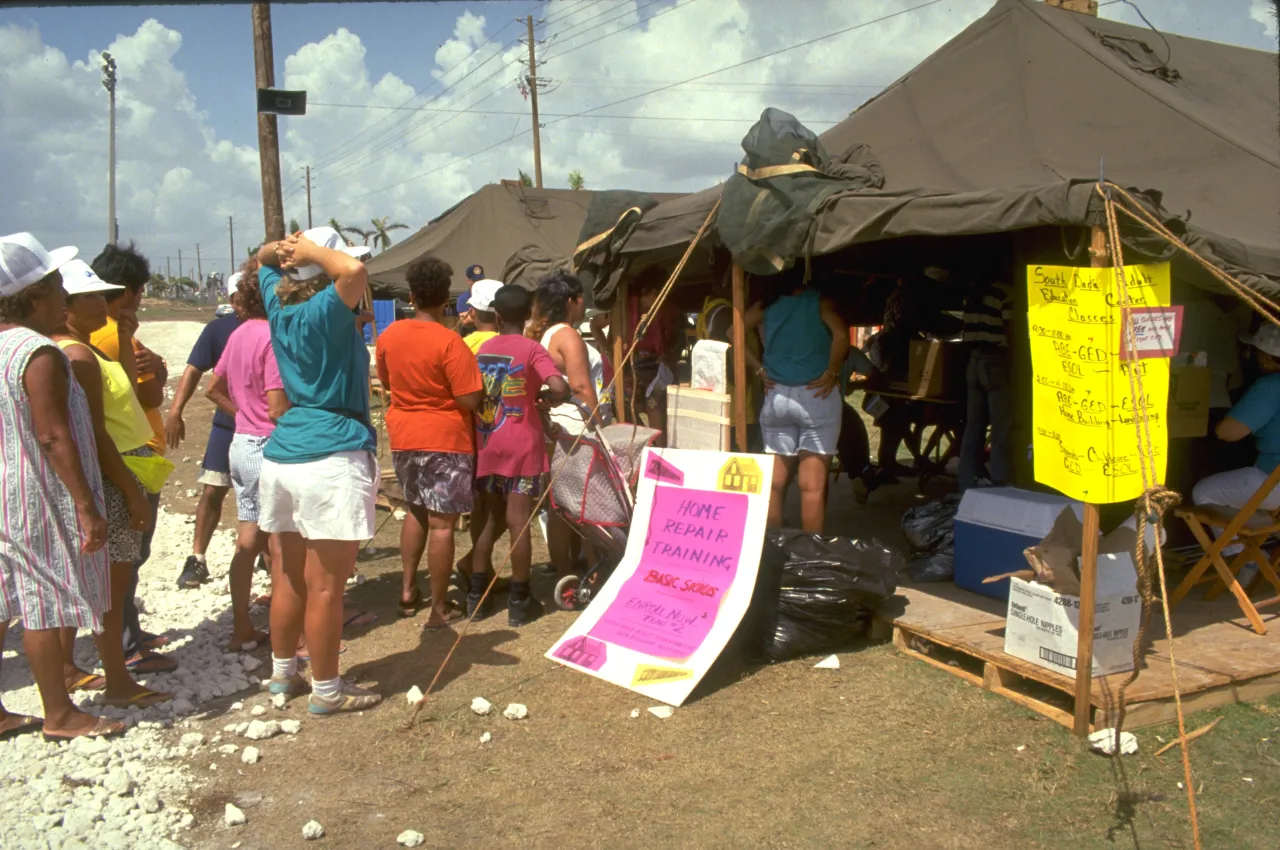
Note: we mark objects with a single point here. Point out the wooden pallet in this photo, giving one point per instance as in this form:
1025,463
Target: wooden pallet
1220,660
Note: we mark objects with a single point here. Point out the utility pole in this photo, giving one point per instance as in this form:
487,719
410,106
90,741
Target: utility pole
179,262
533,99
109,83
309,225
168,268
231,232
199,268
268,132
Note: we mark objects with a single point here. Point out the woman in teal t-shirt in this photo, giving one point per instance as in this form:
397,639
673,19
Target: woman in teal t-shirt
319,478
805,346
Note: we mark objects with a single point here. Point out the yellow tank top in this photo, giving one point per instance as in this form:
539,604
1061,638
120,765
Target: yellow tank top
125,419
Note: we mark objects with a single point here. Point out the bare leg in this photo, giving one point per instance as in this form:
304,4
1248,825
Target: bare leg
249,542
560,539
120,684
813,476
329,563
413,542
519,510
44,654
783,468
67,645
288,592
208,515
495,506
439,563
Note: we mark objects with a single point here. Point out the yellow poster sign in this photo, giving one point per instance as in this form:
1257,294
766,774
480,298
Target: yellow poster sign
1085,410
740,475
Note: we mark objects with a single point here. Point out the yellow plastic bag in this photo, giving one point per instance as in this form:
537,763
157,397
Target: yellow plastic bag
152,470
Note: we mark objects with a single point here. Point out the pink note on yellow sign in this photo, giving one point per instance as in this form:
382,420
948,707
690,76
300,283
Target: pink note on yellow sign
686,579
690,556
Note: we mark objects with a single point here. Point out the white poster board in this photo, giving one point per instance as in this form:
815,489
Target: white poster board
686,578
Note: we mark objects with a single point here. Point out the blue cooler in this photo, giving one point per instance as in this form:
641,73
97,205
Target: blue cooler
384,313
992,528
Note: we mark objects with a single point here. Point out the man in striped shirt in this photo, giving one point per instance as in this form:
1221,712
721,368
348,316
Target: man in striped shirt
987,313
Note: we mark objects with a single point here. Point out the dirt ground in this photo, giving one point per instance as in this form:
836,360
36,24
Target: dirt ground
885,752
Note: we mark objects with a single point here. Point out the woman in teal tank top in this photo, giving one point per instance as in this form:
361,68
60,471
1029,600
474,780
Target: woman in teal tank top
805,344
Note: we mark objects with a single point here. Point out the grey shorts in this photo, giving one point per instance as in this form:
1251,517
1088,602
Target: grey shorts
246,467
438,481
794,420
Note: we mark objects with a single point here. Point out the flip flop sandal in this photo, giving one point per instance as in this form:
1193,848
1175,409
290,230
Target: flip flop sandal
410,608
150,662
26,724
104,729
362,618
87,682
145,699
264,600
454,616
151,641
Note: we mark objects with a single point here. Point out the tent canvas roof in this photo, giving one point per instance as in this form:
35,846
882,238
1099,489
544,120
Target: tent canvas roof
1003,128
487,227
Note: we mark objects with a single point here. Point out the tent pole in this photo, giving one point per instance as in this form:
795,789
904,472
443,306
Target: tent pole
618,330
1099,257
739,358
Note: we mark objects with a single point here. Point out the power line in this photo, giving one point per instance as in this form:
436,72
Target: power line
565,52
663,88
697,118
744,62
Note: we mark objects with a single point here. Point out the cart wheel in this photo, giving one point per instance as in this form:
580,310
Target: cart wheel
567,593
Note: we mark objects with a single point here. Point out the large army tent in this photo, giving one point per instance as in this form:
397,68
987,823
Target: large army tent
488,228
1004,127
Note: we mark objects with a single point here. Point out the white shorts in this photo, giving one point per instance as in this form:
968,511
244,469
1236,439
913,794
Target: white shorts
212,478
333,498
794,420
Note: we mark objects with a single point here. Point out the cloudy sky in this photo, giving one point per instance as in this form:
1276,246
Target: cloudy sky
424,105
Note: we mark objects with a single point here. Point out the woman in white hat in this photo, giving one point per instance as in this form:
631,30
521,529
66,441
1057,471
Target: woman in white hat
319,480
53,563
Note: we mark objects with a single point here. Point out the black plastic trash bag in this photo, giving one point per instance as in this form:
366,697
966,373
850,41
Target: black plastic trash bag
930,531
828,591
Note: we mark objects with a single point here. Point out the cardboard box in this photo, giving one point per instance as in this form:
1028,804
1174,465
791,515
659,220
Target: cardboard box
698,419
1189,392
1043,626
936,369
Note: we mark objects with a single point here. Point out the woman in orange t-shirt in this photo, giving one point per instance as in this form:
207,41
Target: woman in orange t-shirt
434,385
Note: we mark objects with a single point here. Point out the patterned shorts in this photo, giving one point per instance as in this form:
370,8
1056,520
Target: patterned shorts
438,481
525,485
245,456
124,544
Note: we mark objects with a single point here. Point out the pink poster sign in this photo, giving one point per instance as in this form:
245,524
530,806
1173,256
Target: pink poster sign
668,605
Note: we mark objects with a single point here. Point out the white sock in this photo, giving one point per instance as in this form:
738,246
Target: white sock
327,689
199,558
284,668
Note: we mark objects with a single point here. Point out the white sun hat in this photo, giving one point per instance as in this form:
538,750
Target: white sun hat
326,237
24,261
233,283
1267,338
79,279
482,292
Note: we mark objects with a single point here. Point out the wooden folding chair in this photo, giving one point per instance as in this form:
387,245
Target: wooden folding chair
1250,528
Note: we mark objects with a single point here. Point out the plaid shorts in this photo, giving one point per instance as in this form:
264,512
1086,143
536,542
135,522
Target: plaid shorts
438,481
525,485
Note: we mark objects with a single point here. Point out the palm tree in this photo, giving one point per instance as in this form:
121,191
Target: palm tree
344,230
525,179
576,180
294,227
381,231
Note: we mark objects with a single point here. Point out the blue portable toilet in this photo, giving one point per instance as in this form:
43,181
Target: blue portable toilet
384,313
992,528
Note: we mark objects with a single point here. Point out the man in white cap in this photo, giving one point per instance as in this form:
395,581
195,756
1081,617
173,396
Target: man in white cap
215,469
1257,413
480,314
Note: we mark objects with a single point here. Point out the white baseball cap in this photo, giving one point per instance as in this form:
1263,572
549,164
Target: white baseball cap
79,279
1267,338
325,237
24,261
233,283
482,292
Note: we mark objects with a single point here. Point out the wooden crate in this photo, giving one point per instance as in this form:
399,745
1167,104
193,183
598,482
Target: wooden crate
698,419
1220,660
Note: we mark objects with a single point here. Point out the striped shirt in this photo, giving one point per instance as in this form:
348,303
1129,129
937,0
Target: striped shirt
986,310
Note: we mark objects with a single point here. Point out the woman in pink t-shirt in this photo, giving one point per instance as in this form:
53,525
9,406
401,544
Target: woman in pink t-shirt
247,386
511,461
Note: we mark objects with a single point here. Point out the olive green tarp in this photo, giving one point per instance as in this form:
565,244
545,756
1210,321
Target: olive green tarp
1003,128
